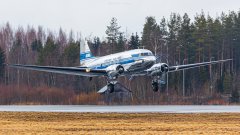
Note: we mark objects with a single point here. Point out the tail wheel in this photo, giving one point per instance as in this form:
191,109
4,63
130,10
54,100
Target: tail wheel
155,86
111,87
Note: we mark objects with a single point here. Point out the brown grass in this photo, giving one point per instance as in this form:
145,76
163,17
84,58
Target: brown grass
116,123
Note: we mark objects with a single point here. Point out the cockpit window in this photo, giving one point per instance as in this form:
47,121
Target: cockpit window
146,54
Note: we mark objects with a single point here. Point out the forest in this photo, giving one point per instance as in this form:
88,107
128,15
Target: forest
175,40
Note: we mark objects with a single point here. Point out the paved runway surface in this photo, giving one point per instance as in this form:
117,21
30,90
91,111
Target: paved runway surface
122,109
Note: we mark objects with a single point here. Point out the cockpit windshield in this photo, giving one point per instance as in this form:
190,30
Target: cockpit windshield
146,54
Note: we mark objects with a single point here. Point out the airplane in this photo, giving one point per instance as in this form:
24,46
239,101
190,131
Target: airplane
137,62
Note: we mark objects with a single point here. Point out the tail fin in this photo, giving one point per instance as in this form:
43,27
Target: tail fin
85,52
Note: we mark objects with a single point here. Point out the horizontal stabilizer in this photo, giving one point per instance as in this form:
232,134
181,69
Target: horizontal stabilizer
118,87
105,88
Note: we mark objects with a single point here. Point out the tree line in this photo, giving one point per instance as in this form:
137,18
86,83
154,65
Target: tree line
175,40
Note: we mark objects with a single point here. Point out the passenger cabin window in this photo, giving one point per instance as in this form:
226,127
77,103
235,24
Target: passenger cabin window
135,55
142,54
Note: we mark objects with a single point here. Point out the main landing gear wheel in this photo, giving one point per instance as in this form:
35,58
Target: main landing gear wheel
155,86
111,87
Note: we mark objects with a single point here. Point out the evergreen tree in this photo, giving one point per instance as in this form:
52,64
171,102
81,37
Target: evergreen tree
134,42
120,43
151,34
50,53
71,54
217,36
236,42
200,35
37,46
185,37
174,26
113,33
187,49
163,28
96,46
137,41
163,40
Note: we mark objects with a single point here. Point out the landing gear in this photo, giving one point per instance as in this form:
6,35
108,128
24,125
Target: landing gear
155,86
110,87
112,77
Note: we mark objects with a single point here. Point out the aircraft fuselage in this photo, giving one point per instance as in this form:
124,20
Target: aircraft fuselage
132,61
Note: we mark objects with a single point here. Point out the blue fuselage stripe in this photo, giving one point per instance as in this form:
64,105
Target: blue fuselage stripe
120,61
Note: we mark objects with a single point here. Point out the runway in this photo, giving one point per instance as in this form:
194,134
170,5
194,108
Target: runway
122,109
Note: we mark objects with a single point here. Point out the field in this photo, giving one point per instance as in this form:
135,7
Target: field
118,123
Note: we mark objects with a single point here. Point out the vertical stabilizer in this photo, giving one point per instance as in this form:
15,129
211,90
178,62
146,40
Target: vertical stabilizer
85,52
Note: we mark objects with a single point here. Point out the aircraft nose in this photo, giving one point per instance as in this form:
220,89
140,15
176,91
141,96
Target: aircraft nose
154,58
151,58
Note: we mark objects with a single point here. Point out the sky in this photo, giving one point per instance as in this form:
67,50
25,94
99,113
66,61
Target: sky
91,17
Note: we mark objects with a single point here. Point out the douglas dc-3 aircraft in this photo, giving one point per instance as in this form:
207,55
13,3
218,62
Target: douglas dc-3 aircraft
137,62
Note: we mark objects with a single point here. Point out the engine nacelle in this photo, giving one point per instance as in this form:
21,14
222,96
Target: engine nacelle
115,70
158,69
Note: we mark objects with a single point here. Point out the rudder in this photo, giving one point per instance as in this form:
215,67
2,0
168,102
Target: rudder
85,52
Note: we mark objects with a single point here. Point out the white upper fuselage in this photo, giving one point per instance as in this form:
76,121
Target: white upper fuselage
130,60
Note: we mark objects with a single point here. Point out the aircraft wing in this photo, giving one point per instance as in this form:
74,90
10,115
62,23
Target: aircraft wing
188,66
82,71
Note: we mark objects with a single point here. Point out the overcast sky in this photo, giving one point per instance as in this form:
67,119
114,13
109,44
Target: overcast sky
92,16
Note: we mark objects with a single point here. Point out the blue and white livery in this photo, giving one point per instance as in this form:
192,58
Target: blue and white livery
85,53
